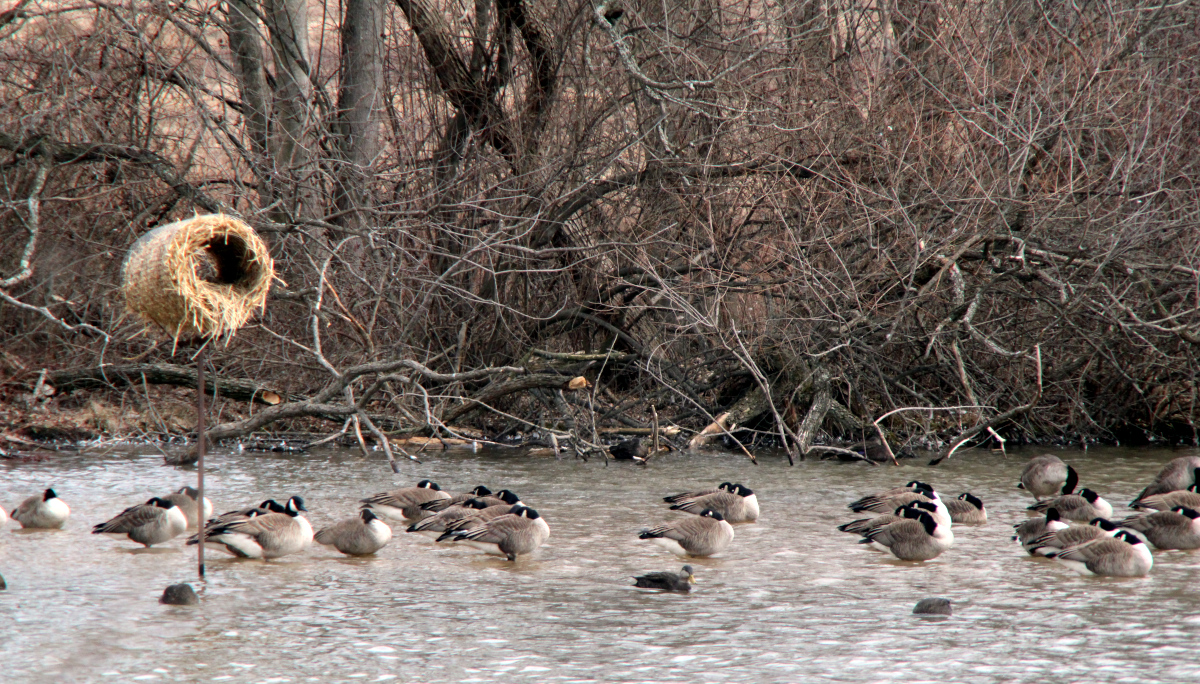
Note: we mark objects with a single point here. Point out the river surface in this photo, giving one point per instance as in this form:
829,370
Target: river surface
792,600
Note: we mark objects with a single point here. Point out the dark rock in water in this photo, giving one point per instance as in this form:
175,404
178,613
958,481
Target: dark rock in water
627,450
179,595
933,606
3,586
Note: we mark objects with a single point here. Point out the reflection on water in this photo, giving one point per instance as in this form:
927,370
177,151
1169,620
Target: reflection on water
792,599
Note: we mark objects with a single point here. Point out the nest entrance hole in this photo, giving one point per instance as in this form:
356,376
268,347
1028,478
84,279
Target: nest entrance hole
225,260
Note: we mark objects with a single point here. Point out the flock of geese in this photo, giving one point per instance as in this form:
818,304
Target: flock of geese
499,523
913,523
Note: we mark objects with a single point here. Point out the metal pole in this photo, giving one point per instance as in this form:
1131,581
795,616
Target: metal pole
201,362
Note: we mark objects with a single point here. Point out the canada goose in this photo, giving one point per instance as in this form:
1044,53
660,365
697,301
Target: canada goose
1051,543
185,498
1124,555
503,497
442,504
1046,476
1030,530
405,504
737,505
922,492
45,512
967,509
519,532
1178,528
700,536
676,498
863,526
667,581
479,519
1178,473
3,516
1080,507
917,538
1165,502
887,501
268,506
154,522
361,535
269,535
435,525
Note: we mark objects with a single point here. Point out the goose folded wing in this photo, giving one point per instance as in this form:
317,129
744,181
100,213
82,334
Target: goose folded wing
129,519
716,500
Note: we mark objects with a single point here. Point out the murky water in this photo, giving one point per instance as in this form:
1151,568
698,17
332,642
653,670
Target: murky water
792,600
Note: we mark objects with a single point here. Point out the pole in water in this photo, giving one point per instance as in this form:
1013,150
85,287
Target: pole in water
201,362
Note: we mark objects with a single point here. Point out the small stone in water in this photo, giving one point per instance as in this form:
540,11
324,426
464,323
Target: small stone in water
933,606
179,595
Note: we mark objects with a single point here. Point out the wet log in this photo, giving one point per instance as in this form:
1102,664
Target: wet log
665,431
822,399
521,383
109,377
710,432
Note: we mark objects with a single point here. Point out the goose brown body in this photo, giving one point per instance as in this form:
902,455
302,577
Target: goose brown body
265,535
1082,507
154,522
919,537
1178,528
43,511
737,504
185,498
704,535
1046,476
1123,555
519,532
405,503
361,535
1178,474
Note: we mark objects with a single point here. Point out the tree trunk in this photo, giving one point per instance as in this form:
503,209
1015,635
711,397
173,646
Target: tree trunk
862,32
241,389
243,30
359,105
288,23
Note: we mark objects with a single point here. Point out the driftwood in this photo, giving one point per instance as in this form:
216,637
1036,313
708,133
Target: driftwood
822,399
107,377
503,388
718,427
665,431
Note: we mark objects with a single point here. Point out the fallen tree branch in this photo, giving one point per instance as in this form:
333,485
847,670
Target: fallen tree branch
841,454
320,405
108,377
501,389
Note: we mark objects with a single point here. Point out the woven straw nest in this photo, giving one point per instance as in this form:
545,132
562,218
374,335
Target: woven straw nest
202,277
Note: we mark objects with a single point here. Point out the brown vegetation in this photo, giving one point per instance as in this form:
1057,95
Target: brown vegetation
813,212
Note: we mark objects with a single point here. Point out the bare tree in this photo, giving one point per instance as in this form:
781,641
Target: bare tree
804,215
